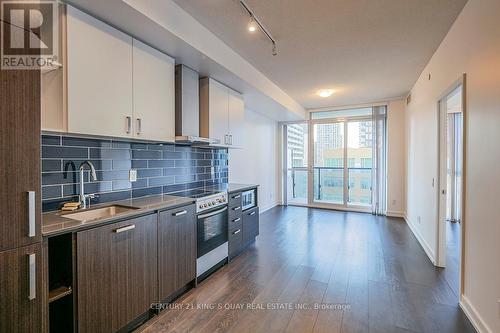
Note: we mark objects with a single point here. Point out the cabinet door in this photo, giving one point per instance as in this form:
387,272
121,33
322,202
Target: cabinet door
214,110
99,77
236,119
250,224
154,104
177,249
21,290
116,273
20,158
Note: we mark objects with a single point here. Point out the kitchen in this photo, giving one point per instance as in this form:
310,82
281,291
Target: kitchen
130,200
248,166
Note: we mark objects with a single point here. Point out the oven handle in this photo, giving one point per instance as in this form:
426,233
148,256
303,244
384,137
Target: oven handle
212,213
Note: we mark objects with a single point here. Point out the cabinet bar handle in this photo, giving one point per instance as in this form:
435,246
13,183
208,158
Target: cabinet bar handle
231,139
139,126
180,213
127,228
237,220
237,208
129,124
31,276
252,213
237,196
237,232
31,214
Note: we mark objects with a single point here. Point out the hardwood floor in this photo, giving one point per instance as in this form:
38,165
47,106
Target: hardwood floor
368,272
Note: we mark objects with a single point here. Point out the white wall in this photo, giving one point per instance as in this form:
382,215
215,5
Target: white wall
472,46
396,199
257,162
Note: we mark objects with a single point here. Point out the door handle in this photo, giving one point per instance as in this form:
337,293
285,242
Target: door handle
252,213
123,229
180,213
139,126
31,214
129,124
31,276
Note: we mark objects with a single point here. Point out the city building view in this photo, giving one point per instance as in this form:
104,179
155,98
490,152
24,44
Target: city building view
330,151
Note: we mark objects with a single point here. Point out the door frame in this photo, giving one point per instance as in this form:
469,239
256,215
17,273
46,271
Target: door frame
442,182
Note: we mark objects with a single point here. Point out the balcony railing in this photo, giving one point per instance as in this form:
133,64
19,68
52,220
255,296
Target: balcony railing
329,184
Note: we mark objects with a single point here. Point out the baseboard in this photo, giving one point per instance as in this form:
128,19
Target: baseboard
423,243
392,213
262,210
473,316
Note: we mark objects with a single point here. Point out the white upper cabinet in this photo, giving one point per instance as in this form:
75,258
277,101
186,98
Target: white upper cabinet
222,113
236,119
214,110
99,77
116,86
153,91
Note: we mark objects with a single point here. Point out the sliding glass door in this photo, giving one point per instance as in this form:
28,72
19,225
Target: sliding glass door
342,174
329,159
346,165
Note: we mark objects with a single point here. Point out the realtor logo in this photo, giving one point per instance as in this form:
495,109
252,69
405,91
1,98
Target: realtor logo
29,36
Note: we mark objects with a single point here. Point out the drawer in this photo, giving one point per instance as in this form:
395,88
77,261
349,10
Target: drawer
235,222
234,212
234,199
235,242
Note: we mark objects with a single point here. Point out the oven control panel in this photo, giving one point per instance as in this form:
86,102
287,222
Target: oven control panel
211,202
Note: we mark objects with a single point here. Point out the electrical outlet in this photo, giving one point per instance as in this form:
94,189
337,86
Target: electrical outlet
132,175
418,219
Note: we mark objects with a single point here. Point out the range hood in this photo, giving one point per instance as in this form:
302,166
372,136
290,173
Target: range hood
187,108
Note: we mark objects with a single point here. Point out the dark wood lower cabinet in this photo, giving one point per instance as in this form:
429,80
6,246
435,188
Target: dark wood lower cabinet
250,224
116,273
20,302
176,249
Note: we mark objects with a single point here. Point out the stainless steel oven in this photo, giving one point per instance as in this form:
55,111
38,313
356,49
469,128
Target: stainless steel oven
212,230
248,199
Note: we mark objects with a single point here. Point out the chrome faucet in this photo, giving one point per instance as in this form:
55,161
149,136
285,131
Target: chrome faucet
93,177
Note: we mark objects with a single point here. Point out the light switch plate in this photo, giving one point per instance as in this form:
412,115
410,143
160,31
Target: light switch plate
132,175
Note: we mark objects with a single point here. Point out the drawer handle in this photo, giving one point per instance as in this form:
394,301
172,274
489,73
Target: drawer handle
237,232
127,228
31,276
237,196
237,220
31,214
237,208
252,213
180,213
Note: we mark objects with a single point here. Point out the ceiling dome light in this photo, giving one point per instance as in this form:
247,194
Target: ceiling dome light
252,25
325,92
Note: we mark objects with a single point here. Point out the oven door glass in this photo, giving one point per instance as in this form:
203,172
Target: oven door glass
212,230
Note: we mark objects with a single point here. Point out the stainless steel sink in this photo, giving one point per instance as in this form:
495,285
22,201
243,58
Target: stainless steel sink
99,213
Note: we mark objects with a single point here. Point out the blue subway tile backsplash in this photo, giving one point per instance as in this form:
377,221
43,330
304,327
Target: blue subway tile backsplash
161,168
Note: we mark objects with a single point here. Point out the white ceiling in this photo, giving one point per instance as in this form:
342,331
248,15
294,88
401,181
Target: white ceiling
367,50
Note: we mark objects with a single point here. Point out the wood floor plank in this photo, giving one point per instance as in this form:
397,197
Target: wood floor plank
303,319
